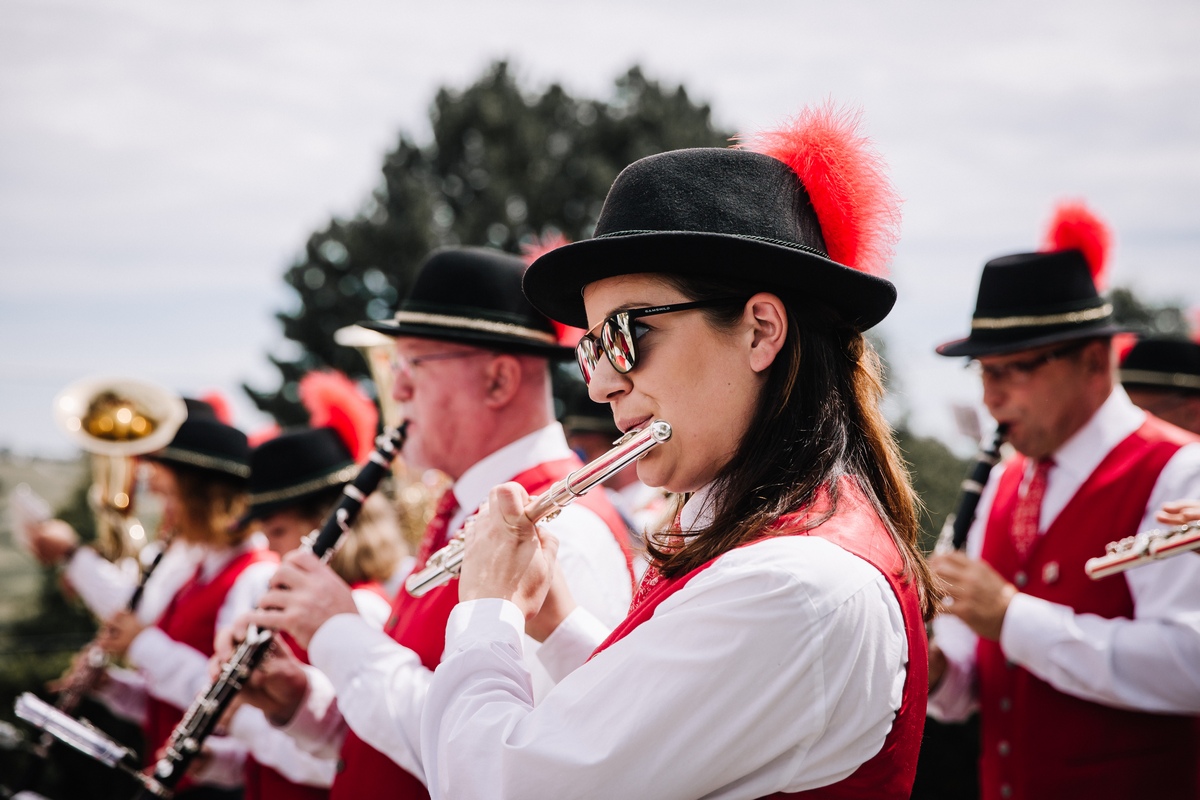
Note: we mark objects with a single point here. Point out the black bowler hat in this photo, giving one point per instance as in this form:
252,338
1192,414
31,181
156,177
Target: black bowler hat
473,295
1032,299
296,466
1164,364
779,219
203,442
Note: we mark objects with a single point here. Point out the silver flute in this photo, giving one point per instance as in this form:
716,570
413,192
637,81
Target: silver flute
1147,546
445,564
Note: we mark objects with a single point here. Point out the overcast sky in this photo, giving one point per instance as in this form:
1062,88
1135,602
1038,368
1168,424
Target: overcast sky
161,164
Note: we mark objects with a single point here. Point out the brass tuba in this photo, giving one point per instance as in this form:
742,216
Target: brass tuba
415,496
115,419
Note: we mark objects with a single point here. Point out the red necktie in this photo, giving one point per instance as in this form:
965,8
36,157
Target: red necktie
439,526
1029,509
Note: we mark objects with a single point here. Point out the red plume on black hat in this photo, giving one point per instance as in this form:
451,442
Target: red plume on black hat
1075,227
846,180
1027,300
335,401
806,210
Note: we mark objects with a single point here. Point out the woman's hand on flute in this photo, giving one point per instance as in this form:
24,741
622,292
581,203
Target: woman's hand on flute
506,555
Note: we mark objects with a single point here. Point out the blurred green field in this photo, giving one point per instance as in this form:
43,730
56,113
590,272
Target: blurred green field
20,575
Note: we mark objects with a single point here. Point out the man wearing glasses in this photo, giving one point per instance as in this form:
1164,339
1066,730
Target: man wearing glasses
473,380
1084,688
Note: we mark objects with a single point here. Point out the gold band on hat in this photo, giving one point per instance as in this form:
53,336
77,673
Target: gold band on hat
288,492
226,465
482,325
1175,380
1071,317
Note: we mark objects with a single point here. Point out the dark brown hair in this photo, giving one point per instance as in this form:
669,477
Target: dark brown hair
818,420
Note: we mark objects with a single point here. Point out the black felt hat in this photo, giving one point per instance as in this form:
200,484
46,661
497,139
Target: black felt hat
1167,364
296,466
203,442
1033,299
710,213
473,295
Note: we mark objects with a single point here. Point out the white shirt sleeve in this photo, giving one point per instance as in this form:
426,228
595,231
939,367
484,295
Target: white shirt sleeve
373,608
364,668
779,668
124,694
273,748
174,672
1146,663
318,726
104,586
380,685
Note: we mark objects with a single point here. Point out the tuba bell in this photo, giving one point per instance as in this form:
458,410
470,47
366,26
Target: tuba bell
415,496
116,419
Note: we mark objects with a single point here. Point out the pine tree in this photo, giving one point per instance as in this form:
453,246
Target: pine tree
505,164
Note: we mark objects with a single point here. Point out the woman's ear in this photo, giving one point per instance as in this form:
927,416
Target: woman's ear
768,322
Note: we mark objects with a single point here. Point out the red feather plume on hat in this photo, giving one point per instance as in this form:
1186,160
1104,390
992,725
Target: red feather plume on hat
531,251
335,401
856,204
1075,227
220,407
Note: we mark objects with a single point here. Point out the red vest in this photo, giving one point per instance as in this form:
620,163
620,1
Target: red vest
419,623
856,528
191,618
1038,742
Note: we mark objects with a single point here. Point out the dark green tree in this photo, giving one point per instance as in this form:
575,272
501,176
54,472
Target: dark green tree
505,164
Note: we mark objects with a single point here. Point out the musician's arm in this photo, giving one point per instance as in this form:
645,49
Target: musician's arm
123,692
104,586
653,706
1146,663
175,673
953,697
274,748
571,643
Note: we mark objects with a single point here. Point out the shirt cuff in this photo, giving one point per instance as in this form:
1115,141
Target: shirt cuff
486,620
343,644
149,647
1030,625
571,643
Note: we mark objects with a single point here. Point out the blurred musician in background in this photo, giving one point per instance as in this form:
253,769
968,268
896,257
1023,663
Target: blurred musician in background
776,642
1084,687
473,380
201,477
296,479
1162,376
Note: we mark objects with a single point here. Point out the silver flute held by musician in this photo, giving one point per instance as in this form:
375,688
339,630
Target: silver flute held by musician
1133,551
445,564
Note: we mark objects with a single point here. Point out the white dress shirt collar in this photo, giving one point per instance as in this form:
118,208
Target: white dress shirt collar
698,511
1115,420
546,444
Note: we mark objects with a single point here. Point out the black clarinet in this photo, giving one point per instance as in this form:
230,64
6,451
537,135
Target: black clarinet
201,719
954,532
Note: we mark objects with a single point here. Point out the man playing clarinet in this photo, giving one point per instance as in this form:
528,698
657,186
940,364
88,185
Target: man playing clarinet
1085,688
473,378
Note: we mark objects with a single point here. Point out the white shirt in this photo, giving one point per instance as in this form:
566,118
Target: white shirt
779,668
1147,663
362,666
106,587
